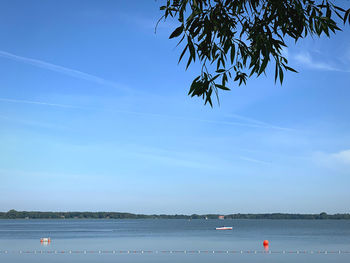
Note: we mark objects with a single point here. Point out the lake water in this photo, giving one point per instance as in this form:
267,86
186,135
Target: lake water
167,240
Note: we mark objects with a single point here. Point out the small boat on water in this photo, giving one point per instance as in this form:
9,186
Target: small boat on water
224,228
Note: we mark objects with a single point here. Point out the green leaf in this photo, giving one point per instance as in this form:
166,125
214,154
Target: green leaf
221,87
214,78
233,52
189,62
194,85
263,66
177,32
276,71
290,69
346,15
183,53
191,48
281,74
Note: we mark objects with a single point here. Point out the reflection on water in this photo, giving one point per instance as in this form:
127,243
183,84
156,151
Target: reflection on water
21,239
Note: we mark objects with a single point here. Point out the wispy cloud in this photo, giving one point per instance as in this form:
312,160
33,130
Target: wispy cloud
307,60
194,159
241,124
258,123
63,70
244,121
342,156
173,160
37,124
40,103
339,161
254,160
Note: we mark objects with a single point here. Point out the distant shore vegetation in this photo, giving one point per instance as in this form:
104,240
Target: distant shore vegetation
13,214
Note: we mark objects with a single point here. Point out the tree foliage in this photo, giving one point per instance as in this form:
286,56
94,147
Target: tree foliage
13,214
240,38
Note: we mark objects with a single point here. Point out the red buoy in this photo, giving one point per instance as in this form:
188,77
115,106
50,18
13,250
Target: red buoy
266,243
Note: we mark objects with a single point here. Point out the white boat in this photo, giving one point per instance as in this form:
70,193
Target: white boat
224,228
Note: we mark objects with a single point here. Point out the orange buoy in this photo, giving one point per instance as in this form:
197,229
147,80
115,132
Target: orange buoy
266,245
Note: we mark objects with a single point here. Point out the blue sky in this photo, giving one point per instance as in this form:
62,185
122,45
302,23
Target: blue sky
94,115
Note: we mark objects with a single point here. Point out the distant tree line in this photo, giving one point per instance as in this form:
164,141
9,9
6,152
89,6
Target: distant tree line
13,214
322,215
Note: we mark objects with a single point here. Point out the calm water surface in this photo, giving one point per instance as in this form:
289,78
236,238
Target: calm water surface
175,235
